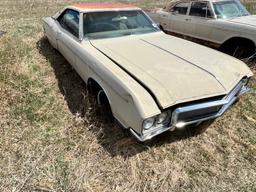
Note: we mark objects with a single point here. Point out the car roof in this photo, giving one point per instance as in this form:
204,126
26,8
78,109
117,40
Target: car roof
175,1
101,6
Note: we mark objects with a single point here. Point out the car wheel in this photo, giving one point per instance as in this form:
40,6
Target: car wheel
240,50
199,128
98,99
103,105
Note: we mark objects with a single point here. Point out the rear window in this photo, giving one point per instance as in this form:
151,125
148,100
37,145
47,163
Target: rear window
180,8
200,9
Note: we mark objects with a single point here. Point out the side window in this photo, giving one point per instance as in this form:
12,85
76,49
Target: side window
69,20
200,9
180,8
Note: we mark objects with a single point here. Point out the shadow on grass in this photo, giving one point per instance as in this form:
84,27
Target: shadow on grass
115,140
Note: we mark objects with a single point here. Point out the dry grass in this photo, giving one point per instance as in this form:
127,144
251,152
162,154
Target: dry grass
51,138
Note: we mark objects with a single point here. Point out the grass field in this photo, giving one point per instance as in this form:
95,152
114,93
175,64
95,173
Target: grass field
51,138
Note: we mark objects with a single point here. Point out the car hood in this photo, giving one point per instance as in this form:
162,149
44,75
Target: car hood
171,69
245,20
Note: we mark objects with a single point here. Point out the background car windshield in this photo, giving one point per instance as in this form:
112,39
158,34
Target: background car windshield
117,23
228,9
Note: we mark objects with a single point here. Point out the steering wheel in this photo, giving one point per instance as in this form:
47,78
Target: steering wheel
105,26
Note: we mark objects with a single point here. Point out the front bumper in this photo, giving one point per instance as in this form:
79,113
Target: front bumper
183,116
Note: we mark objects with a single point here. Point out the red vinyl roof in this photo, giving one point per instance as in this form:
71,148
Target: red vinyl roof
86,6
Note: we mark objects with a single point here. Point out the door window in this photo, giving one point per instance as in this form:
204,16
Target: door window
180,8
69,20
200,9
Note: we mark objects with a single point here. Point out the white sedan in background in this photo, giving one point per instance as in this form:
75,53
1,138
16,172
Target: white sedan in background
222,24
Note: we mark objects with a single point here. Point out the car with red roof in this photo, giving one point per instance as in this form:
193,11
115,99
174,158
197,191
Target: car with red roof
152,82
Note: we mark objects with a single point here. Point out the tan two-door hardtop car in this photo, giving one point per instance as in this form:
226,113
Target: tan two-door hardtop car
223,24
152,81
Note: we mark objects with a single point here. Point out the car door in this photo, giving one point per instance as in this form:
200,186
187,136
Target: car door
199,20
68,35
164,20
176,17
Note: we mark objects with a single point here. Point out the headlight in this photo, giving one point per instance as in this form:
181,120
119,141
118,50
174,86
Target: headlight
148,123
161,118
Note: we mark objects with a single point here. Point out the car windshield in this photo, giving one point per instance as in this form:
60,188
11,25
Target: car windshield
229,9
117,23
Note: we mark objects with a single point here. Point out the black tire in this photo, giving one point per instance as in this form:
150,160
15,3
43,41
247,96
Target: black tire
102,104
240,49
197,129
99,99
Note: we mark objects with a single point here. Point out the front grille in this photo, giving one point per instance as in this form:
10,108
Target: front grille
202,110
198,114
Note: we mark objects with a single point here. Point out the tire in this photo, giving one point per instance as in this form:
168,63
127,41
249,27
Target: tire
197,129
99,99
102,103
240,49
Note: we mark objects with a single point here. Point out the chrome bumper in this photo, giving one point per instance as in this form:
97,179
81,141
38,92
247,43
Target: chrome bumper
223,105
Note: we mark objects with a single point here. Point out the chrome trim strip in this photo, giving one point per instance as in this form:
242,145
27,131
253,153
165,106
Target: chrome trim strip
150,135
226,102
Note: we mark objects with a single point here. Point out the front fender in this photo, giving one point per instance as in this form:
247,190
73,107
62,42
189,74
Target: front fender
130,102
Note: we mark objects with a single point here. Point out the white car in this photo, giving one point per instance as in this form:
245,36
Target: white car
223,24
152,82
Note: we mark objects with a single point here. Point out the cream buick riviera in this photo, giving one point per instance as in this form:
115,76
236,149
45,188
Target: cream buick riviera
223,24
152,82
